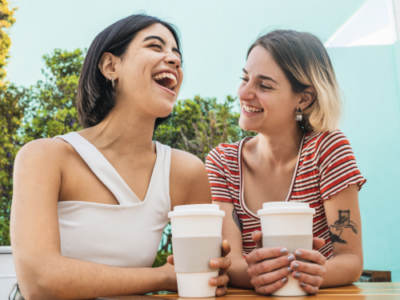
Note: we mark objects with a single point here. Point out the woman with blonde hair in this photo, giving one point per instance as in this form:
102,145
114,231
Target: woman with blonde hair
290,97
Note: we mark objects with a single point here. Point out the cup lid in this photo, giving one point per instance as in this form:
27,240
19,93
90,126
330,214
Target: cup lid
196,210
285,208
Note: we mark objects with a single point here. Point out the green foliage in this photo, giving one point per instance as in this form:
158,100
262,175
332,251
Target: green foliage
52,109
11,112
199,125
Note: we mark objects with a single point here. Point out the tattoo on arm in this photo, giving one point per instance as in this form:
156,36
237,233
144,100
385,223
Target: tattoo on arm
236,219
343,223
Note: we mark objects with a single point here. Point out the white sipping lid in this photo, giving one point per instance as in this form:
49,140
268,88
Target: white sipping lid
196,210
285,208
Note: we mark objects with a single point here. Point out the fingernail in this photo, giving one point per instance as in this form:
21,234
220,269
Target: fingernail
297,275
284,251
289,269
297,253
295,265
303,284
214,262
291,257
284,280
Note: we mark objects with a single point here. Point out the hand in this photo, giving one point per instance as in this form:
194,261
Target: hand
269,267
222,263
309,275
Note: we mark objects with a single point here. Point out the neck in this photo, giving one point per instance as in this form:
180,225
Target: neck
123,132
279,148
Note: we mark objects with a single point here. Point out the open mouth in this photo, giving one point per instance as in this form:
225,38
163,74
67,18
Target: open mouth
251,109
165,79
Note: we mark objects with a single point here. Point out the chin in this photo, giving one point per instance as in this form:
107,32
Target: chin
248,126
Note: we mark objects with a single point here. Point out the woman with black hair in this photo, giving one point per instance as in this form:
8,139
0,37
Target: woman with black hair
89,208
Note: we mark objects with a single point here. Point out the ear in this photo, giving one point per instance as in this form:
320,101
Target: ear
107,65
307,97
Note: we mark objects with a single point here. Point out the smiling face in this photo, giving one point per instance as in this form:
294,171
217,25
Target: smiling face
267,101
148,75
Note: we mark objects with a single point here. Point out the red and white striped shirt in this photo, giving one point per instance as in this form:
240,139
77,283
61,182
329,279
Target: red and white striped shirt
326,166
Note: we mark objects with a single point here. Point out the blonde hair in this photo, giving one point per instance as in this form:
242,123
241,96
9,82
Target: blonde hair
305,62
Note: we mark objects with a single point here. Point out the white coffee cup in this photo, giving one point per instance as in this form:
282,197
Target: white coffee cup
196,238
290,225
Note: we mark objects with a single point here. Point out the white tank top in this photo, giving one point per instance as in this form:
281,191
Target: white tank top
125,235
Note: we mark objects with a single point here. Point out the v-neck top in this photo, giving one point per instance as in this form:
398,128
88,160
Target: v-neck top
124,235
326,166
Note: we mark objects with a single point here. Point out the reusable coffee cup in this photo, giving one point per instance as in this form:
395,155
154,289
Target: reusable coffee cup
196,239
287,224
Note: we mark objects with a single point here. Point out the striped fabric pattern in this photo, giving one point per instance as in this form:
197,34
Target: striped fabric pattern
326,166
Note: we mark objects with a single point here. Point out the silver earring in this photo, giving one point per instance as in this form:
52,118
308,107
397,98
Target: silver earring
112,82
299,115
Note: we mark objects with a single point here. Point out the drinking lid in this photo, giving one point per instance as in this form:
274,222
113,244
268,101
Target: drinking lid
196,210
285,208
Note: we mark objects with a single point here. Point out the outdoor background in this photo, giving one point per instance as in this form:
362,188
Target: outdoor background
215,38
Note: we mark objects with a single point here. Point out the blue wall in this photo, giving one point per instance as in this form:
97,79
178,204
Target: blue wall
369,80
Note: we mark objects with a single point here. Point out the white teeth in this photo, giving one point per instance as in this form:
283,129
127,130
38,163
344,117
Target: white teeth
251,109
166,75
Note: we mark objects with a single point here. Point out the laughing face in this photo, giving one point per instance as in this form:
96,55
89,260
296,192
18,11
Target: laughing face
148,75
267,101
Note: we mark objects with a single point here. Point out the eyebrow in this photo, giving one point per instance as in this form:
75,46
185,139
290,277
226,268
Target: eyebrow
262,76
155,37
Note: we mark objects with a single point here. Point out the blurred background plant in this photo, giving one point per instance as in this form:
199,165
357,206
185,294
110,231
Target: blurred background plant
48,108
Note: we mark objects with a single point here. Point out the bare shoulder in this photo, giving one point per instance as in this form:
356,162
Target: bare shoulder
188,180
184,163
44,151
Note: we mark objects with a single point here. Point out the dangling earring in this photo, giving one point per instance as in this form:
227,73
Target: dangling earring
299,115
112,82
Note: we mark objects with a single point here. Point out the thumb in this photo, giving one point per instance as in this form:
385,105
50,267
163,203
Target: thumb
170,259
318,243
257,238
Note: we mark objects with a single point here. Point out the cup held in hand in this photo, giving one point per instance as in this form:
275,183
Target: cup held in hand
197,238
287,224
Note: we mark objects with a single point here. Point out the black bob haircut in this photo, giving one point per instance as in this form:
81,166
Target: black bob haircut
95,96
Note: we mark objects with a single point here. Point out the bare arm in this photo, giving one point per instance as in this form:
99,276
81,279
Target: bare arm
344,221
42,272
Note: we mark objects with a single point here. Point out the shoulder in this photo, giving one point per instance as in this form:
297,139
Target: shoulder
185,165
224,152
46,150
322,143
44,154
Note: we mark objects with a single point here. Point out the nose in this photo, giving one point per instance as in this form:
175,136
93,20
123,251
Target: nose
173,59
246,92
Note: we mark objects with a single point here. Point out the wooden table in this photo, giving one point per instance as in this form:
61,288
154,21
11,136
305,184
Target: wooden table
358,291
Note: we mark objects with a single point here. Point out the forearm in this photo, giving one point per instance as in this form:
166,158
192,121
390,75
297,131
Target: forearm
237,273
343,269
67,278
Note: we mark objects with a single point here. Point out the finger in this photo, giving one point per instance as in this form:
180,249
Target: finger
221,290
313,280
220,262
269,265
170,259
270,288
265,253
311,255
257,237
309,288
318,243
270,277
226,248
309,268
219,280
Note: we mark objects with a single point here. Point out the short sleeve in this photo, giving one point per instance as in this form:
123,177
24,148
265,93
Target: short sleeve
337,165
216,176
